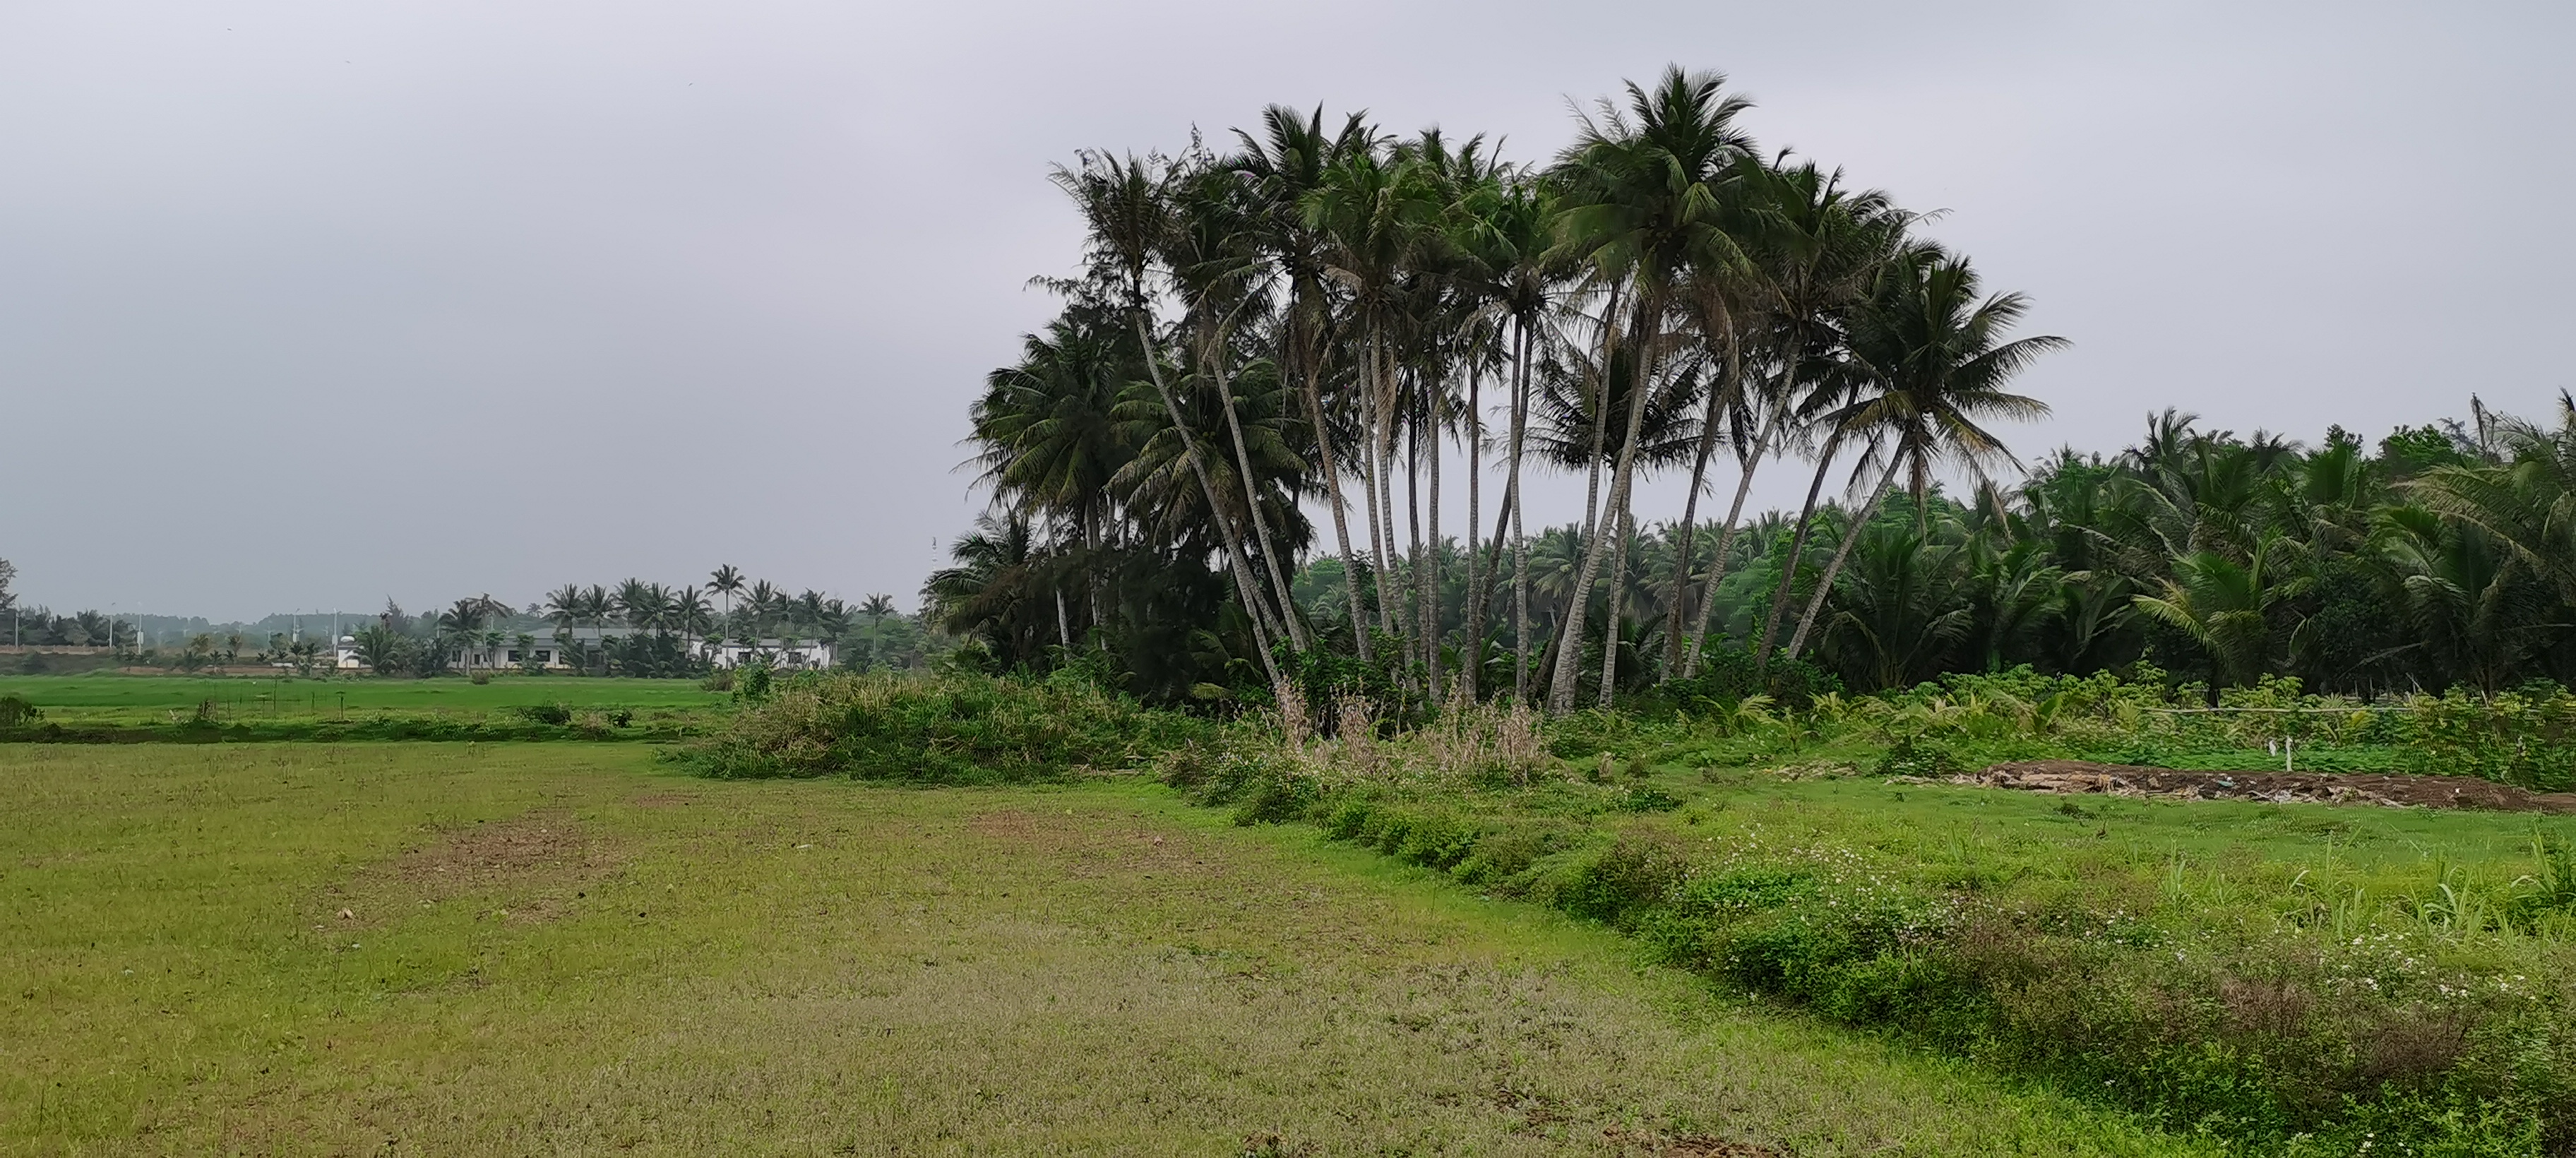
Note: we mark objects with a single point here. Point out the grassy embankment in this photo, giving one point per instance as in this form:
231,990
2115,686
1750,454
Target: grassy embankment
2286,978
132,708
518,948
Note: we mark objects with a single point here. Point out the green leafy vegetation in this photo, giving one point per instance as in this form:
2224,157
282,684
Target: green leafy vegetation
1315,316
944,729
2290,978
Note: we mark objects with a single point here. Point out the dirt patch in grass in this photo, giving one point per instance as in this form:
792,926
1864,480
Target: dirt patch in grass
530,865
1683,1145
1096,847
2080,776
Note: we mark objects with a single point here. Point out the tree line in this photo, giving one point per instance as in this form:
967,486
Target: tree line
1317,316
643,628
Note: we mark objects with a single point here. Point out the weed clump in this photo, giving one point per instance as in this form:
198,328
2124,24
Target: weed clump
16,712
948,729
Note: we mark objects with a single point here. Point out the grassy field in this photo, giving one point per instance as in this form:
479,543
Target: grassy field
152,699
519,948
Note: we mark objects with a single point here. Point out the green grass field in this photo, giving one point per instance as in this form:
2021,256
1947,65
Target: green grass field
514,948
2250,843
125,699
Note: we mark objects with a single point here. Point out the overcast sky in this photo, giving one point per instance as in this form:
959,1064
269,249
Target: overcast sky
302,306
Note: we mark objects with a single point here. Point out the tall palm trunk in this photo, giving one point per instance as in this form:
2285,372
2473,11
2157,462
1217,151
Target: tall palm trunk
1472,656
1598,455
1560,688
1418,630
1789,566
1252,504
1752,461
1394,603
1842,551
1373,424
1520,538
1333,491
1690,527
1626,530
1244,586
1431,568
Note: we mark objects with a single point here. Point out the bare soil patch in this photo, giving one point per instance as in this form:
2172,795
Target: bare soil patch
531,864
2081,776
1683,1145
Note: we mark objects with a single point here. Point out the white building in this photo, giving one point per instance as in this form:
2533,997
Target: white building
785,655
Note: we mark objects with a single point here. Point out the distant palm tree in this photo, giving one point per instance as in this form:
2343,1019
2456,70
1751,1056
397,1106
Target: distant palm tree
724,581
462,622
833,621
565,608
766,604
380,648
597,605
641,604
690,614
876,607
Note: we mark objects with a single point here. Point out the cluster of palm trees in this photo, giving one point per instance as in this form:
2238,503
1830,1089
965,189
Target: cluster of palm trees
1322,313
729,606
2434,559
641,628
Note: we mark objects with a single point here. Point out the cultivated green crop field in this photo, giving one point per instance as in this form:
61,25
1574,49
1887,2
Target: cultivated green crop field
129,699
518,948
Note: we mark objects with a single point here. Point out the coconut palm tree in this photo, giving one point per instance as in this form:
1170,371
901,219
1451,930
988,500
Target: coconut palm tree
1372,211
690,615
725,581
2527,500
1287,164
1052,438
462,624
876,607
2228,608
1931,366
641,604
1645,204
1821,247
764,605
1224,277
1126,207
1505,233
565,607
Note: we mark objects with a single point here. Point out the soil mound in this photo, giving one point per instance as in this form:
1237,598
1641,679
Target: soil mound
2080,776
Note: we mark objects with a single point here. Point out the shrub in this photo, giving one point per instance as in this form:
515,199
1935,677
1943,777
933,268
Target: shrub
1618,883
555,714
939,729
16,712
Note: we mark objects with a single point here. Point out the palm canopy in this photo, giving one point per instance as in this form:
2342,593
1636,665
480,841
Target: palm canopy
1649,190
1933,363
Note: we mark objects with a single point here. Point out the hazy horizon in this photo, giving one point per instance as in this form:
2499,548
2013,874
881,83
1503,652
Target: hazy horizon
309,307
